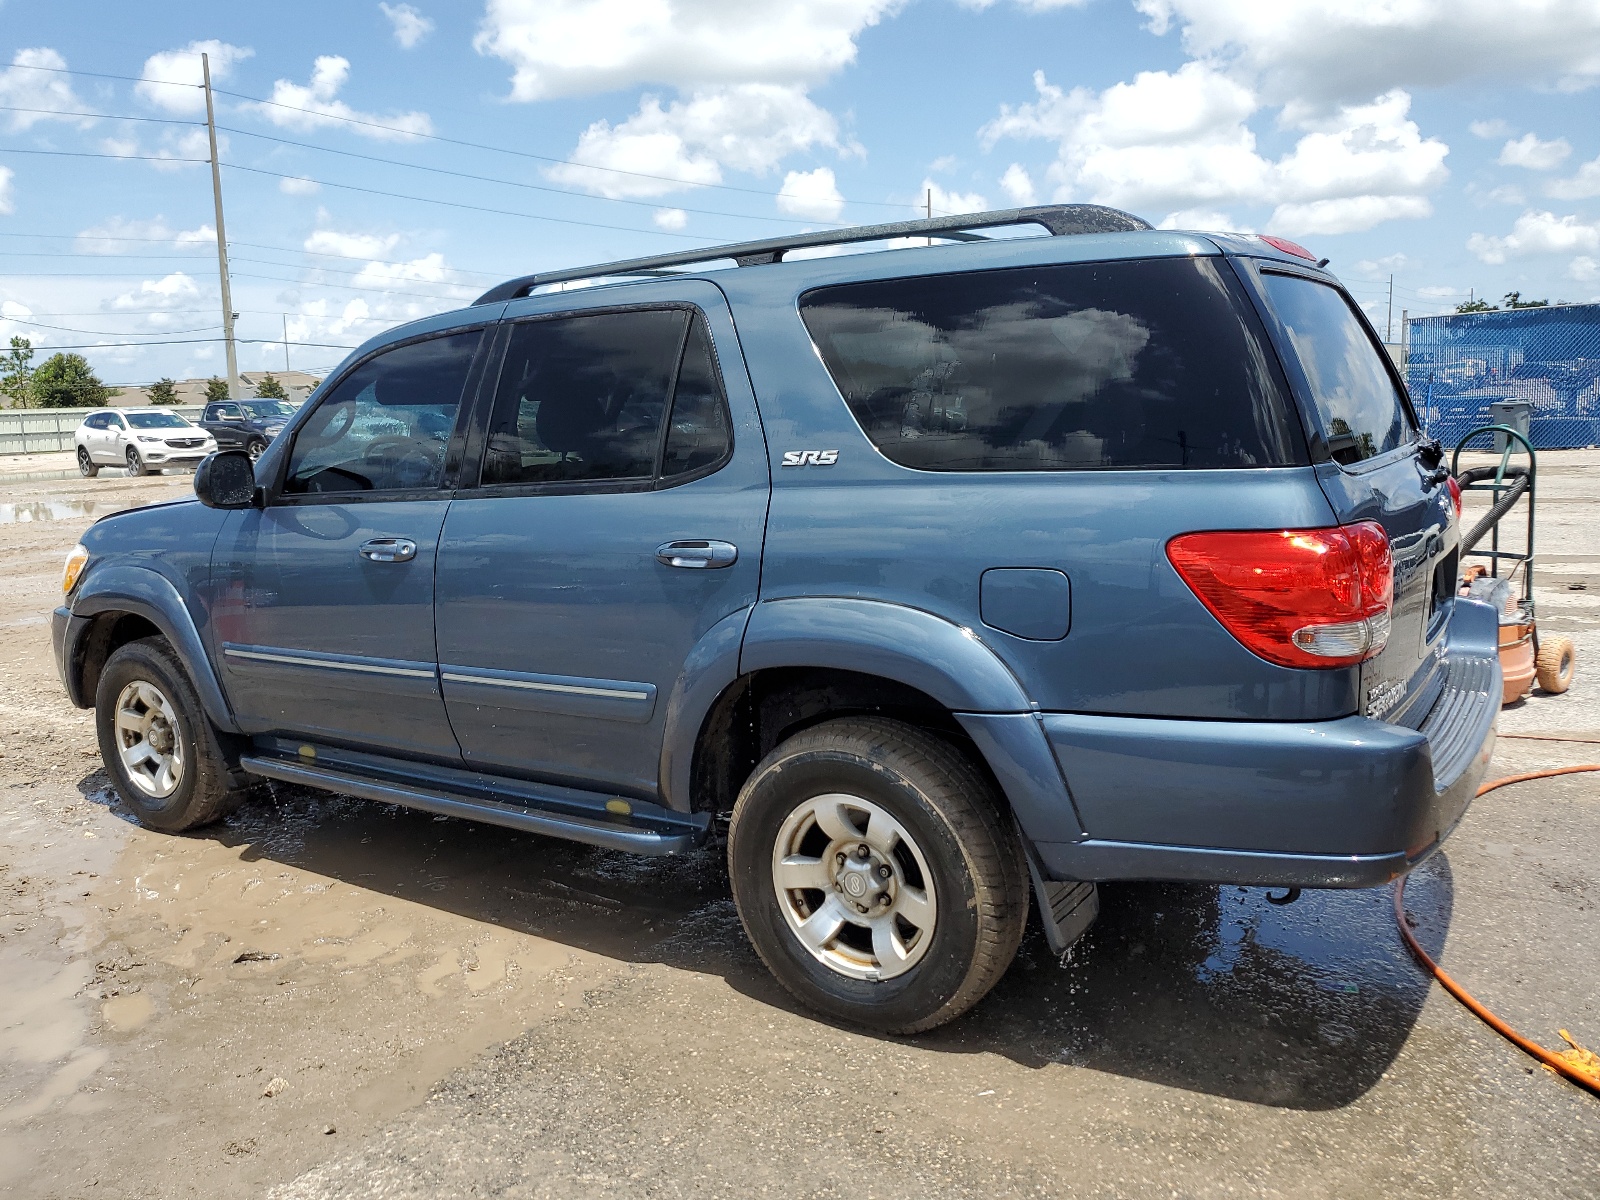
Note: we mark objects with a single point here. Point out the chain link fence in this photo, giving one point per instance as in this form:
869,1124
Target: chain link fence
1546,358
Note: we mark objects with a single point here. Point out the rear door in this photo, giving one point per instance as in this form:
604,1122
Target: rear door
1372,470
618,519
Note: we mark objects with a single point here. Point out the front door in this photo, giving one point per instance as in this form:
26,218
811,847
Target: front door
619,516
324,597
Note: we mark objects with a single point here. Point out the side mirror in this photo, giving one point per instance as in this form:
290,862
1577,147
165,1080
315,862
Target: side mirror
226,479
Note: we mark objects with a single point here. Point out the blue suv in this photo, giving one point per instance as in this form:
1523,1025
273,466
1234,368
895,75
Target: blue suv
934,579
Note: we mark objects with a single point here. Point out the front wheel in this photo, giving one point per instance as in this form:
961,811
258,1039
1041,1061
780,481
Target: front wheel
135,463
254,448
877,874
86,464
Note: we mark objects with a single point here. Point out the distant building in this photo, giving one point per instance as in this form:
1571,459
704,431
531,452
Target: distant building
296,384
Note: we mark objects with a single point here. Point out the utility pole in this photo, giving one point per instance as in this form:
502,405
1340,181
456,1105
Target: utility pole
285,343
1405,337
1390,338
929,210
222,235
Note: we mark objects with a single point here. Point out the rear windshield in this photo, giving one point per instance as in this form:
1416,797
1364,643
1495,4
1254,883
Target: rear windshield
156,420
265,409
1157,363
1357,405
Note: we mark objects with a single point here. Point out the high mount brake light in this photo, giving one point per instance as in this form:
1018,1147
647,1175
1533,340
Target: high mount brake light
1455,494
1296,597
1288,247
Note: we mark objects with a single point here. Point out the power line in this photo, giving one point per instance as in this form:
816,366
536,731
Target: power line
91,154
93,332
194,342
59,112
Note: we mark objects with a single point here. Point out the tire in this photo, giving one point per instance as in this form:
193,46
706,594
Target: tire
255,447
1555,665
136,465
87,467
931,819
145,698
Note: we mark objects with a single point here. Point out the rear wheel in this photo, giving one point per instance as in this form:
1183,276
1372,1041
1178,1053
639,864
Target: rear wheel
168,762
86,465
1556,662
254,448
135,463
877,874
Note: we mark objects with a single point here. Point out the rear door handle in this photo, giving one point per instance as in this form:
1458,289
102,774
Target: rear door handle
388,550
696,555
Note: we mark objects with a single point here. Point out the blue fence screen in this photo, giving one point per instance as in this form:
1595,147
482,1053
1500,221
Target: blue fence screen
1549,357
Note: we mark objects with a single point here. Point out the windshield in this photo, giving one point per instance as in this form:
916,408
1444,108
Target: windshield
156,420
1357,404
267,408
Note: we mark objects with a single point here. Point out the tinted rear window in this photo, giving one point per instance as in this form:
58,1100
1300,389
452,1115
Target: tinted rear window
1157,363
1357,405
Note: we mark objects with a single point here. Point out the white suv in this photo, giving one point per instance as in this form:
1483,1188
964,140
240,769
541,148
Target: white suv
140,439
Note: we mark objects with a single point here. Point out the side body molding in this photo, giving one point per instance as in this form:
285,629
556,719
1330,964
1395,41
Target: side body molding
123,587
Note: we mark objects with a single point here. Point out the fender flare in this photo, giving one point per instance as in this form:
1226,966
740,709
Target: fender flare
712,666
125,588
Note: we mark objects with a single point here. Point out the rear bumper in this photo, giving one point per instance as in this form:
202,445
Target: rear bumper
1348,803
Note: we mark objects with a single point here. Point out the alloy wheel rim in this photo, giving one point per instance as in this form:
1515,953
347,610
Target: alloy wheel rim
854,887
83,460
147,739
253,450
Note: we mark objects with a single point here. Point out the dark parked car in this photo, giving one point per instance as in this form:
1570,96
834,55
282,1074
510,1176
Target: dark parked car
939,578
248,425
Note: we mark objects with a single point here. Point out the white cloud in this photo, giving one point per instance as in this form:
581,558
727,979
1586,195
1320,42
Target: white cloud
23,88
430,268
1389,262
172,79
7,204
811,194
749,127
1018,186
669,218
351,245
1331,50
13,311
179,152
167,292
124,235
1528,151
299,186
948,203
1536,233
204,235
315,105
410,26
555,50
1206,220
1180,140
1584,269
1504,194
1489,130
1346,214
1583,186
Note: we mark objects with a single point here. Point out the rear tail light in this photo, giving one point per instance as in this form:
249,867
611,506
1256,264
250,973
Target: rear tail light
1295,597
1455,494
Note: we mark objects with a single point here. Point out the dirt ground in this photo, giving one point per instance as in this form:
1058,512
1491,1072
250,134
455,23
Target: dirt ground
323,997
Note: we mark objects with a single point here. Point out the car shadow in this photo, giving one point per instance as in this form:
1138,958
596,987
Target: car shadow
1210,989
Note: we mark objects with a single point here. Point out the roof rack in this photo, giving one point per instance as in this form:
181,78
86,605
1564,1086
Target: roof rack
1060,219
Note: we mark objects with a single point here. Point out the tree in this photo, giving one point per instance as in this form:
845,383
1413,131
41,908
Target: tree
1471,306
162,391
270,389
1515,300
16,374
216,389
67,381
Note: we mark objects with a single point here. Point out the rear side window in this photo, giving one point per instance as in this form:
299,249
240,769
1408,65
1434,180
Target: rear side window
386,425
607,396
1358,407
1157,363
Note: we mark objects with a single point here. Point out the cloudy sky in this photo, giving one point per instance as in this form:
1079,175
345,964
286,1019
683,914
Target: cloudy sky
383,161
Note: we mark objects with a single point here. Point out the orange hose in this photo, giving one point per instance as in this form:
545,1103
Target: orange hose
1549,1058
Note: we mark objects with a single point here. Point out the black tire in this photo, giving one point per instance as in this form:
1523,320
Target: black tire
87,467
969,843
208,786
135,463
255,447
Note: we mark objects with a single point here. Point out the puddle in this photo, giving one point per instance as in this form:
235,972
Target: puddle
24,511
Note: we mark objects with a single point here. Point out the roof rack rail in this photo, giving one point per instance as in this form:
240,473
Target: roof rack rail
1059,219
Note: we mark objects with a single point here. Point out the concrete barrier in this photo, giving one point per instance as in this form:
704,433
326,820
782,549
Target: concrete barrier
43,430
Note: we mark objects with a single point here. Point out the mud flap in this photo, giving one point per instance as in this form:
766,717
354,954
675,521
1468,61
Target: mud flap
1067,908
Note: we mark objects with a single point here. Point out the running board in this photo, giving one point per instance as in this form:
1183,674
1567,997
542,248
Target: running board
608,834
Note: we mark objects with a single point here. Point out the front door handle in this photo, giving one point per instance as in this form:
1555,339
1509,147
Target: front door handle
387,550
697,555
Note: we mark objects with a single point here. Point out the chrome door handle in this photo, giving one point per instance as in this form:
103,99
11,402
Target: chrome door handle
387,550
697,555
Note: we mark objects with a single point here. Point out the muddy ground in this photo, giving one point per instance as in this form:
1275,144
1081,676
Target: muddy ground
323,997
